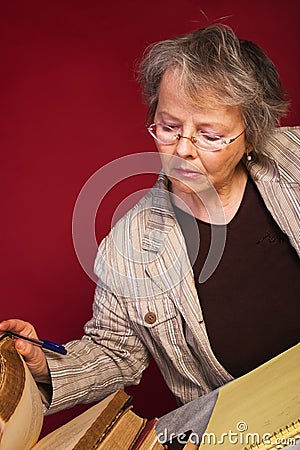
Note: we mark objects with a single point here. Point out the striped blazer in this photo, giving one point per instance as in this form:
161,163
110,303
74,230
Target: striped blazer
146,301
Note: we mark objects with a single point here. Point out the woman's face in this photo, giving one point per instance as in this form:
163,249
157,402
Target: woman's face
220,166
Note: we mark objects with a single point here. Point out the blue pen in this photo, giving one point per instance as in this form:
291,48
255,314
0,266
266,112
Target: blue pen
58,348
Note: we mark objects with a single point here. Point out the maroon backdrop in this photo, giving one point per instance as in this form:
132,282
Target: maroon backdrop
69,105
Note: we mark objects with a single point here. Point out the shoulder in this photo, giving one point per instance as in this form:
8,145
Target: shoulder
285,136
283,147
139,214
279,159
155,206
132,232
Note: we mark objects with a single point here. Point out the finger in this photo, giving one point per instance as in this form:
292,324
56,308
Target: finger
19,326
28,350
12,324
35,360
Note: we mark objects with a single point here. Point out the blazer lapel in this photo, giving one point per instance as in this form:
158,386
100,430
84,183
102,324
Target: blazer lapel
170,269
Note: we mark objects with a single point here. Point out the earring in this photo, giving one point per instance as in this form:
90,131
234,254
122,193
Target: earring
249,157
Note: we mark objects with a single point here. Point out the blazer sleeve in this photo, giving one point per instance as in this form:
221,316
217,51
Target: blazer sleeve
108,357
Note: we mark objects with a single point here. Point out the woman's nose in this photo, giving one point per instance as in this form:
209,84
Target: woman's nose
185,147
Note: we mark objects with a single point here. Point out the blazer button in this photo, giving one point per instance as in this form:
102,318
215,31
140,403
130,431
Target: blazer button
150,318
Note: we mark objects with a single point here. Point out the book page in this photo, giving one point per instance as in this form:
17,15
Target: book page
21,406
92,422
124,432
251,408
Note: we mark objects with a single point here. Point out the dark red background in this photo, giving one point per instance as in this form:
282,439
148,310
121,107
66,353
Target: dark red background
69,105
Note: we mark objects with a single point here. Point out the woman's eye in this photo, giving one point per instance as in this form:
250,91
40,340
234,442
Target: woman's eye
170,128
210,138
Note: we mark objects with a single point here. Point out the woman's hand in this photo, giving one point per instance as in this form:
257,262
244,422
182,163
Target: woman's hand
33,355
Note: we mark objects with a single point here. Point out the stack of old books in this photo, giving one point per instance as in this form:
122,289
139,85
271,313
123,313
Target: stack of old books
258,411
110,424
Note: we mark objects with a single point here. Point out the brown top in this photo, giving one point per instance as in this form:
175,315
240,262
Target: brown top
251,302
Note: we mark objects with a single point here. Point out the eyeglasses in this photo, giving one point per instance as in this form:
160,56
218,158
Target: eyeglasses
169,135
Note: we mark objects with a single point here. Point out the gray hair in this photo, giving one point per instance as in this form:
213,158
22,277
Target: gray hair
213,61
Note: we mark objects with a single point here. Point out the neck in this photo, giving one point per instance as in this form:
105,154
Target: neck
216,205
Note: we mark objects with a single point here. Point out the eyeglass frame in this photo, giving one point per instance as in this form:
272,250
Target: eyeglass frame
193,139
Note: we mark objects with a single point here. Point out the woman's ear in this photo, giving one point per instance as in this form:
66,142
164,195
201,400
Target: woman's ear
248,152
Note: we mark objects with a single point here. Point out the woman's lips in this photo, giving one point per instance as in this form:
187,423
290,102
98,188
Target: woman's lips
186,173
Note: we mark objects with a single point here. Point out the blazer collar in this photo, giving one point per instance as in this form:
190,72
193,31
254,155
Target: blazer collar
170,270
161,218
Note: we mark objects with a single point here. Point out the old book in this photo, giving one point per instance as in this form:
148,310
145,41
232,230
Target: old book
190,446
109,424
159,446
124,432
148,439
21,410
104,426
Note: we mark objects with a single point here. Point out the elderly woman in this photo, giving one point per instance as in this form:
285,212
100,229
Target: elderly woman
203,272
